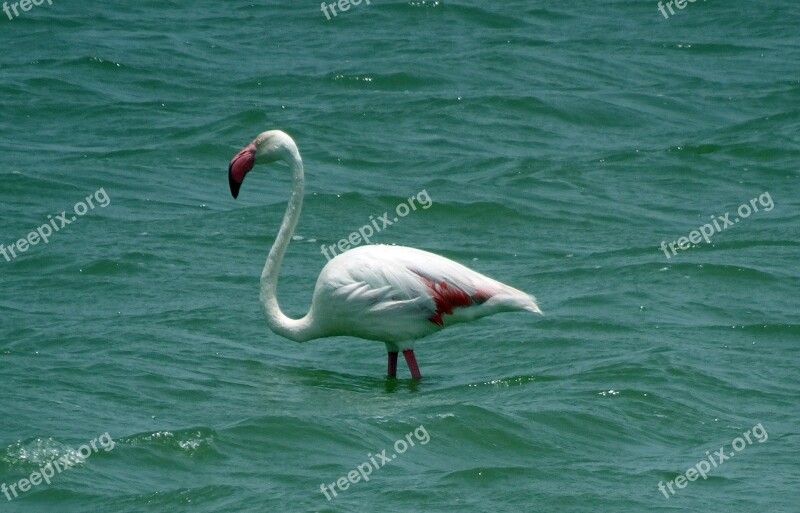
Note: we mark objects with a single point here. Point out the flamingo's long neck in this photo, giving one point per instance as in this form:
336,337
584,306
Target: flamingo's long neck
298,330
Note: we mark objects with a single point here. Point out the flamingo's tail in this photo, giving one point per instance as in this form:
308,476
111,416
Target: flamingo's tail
511,299
534,308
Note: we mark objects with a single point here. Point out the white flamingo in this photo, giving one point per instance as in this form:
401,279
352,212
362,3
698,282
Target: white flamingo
391,294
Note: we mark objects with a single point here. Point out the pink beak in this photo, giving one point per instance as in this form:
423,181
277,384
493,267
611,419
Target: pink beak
240,165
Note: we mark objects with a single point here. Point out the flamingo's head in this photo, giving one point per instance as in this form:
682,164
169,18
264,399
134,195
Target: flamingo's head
268,147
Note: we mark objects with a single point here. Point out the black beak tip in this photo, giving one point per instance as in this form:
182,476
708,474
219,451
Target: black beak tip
233,183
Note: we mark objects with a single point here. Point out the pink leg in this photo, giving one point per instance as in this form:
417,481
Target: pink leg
411,360
392,364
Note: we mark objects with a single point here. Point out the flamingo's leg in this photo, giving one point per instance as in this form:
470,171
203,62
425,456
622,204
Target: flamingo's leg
392,364
411,360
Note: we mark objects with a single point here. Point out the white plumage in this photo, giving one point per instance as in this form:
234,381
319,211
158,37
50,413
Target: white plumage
391,294
388,293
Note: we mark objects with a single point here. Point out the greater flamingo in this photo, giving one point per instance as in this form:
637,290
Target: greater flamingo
391,294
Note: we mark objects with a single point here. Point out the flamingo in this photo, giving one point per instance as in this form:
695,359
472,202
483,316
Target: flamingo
390,294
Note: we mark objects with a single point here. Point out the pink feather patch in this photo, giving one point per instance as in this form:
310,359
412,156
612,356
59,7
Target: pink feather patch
448,296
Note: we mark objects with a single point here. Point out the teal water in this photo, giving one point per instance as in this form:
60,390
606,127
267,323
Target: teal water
560,144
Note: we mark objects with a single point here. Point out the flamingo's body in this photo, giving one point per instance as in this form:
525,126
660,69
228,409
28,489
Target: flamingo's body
391,294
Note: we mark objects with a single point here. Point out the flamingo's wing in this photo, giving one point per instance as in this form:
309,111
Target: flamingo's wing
394,293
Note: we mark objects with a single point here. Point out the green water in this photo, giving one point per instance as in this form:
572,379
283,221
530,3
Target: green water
559,143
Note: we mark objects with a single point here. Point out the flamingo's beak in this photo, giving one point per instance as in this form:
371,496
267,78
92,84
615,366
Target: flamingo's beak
240,165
